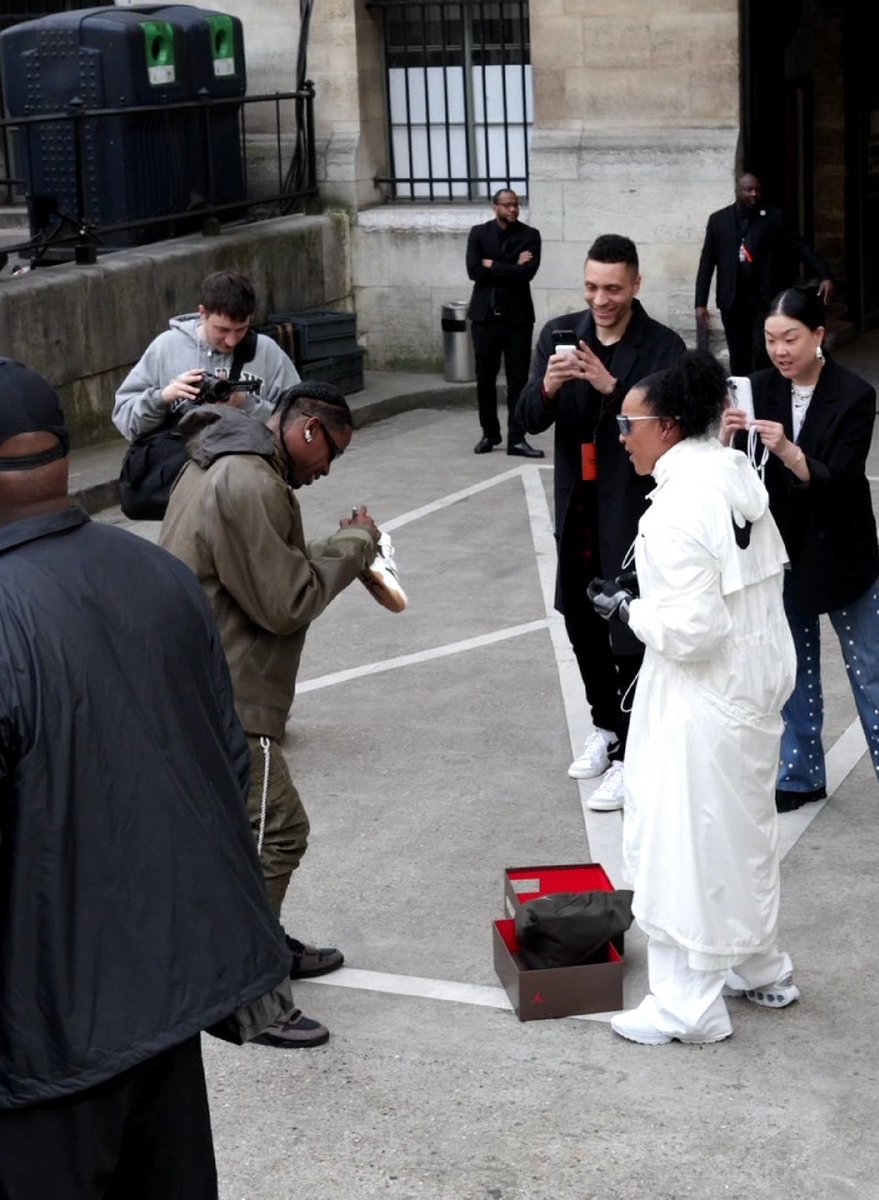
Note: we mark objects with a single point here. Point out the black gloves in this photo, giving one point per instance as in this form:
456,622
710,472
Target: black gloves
610,597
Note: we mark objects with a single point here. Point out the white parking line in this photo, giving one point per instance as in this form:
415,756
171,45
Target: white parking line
426,510
420,656
425,989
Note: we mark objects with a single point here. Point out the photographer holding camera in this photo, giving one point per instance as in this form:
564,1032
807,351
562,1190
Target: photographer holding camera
215,341
208,357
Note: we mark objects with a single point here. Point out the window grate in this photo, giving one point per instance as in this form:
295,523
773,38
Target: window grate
459,97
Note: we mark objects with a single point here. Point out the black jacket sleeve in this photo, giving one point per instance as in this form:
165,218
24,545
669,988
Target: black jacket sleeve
475,254
707,266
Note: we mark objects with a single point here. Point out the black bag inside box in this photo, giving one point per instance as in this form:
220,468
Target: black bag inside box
569,929
523,884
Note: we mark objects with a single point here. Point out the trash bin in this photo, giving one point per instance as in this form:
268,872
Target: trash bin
132,165
213,43
458,362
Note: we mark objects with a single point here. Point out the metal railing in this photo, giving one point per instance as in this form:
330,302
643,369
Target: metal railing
105,178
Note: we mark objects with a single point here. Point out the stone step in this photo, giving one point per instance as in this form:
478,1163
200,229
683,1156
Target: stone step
14,216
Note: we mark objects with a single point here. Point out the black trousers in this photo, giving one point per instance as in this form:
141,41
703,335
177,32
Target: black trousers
743,326
606,676
143,1135
494,340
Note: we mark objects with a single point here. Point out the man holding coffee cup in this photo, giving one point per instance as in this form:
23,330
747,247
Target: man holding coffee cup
584,364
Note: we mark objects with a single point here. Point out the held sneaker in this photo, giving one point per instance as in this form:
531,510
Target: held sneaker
772,995
610,794
381,579
594,760
296,1033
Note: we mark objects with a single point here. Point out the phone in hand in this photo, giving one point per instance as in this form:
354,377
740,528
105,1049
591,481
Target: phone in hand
739,395
564,341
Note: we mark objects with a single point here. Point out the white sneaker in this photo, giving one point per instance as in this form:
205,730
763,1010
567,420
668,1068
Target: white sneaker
381,579
773,995
636,1026
593,761
610,793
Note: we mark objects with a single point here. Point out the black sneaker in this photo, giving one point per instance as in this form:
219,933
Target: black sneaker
310,961
296,1033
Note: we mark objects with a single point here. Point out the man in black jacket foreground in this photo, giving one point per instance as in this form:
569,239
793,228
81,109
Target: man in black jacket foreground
613,344
132,907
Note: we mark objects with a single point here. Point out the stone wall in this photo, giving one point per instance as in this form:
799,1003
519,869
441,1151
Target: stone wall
84,327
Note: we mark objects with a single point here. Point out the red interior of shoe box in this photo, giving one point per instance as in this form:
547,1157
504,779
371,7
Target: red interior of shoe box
548,880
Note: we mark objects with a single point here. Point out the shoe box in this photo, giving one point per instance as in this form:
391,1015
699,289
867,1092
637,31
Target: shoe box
560,991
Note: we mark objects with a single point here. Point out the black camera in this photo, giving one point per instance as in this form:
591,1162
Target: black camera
215,390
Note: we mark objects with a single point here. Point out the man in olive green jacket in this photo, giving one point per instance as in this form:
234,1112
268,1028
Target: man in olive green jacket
234,519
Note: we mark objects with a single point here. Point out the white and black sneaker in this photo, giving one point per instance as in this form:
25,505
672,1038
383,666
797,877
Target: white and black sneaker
610,794
381,579
594,760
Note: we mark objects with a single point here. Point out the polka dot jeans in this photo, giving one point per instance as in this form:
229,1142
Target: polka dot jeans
801,768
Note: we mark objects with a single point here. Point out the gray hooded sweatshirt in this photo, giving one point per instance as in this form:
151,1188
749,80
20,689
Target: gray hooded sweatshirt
139,408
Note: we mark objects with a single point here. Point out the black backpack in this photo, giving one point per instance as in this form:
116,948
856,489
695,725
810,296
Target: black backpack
154,460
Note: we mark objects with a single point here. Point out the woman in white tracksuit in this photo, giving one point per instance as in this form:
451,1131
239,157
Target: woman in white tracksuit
699,830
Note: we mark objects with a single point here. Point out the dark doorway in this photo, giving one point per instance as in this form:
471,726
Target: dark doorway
810,130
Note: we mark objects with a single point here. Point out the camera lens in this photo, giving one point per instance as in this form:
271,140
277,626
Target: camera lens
220,390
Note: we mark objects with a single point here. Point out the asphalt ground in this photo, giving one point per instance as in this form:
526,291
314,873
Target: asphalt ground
431,751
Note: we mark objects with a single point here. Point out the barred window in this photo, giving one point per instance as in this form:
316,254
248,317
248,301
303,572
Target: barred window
460,106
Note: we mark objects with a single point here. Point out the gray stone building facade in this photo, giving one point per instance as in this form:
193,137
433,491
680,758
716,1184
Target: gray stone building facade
641,113
628,116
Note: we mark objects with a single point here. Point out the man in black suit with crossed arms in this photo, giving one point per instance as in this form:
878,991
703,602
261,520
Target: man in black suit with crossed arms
503,256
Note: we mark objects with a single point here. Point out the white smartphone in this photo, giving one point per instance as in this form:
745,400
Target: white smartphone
738,390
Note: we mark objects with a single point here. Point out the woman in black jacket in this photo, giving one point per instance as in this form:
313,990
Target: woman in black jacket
816,419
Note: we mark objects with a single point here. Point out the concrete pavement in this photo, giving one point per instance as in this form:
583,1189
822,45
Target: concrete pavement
431,751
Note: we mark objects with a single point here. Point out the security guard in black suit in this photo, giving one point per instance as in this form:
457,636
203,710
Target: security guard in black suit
752,251
503,256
